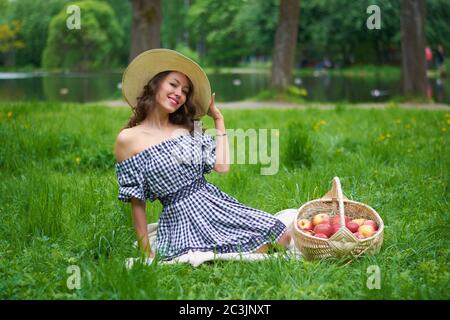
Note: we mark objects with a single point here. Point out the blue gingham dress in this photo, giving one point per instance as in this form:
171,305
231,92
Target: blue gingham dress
196,215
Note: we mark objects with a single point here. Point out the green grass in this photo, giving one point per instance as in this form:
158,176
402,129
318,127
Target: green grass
59,207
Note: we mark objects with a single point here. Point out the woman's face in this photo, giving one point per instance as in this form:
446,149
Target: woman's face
173,91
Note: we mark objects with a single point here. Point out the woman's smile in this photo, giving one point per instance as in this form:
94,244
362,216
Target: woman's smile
174,101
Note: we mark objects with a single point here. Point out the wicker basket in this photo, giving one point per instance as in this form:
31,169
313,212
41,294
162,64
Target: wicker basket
343,242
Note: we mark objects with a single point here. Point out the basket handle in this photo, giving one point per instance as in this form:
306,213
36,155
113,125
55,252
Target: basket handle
336,195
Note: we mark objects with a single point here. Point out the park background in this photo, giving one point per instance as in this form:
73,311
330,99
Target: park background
336,57
362,104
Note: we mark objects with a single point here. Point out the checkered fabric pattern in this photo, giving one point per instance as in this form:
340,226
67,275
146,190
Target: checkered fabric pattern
196,214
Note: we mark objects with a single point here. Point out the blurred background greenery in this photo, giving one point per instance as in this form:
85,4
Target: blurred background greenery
233,39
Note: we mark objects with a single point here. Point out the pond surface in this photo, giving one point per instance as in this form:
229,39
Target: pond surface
82,87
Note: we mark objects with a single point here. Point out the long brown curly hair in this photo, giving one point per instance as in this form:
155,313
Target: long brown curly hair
185,115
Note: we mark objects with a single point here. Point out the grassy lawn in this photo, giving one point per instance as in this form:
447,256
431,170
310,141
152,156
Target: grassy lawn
59,207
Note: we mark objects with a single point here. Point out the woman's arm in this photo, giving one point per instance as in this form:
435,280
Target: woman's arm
122,151
140,226
222,147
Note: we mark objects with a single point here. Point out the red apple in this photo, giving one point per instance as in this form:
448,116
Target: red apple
359,221
353,227
304,224
335,228
324,228
366,230
337,219
320,218
321,235
371,223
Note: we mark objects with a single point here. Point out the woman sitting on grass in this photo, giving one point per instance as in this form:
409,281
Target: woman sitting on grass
169,93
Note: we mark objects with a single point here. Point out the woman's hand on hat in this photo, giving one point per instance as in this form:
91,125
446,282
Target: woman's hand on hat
213,112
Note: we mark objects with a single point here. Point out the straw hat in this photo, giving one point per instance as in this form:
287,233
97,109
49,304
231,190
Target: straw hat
151,62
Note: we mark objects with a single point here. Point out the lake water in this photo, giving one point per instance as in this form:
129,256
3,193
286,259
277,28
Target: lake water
82,87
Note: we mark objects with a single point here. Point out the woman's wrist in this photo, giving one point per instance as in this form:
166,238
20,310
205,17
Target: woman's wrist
220,127
221,131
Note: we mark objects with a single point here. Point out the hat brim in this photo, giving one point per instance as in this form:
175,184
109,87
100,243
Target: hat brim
149,63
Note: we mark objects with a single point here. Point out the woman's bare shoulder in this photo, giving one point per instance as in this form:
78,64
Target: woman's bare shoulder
124,144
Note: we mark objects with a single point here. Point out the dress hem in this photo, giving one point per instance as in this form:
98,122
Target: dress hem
249,247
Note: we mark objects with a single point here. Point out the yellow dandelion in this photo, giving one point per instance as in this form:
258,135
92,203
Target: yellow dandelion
444,129
448,121
318,124
10,114
388,135
77,160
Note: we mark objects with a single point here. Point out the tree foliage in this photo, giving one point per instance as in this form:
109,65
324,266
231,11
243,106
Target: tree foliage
4,9
92,46
9,37
212,26
123,12
35,17
327,28
174,30
228,32
437,24
258,20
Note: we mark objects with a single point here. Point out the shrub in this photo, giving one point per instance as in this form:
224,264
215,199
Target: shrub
299,148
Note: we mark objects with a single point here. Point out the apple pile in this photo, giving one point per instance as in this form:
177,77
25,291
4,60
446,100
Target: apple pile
323,226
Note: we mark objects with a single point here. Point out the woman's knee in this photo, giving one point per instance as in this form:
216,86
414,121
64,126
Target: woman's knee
263,249
285,239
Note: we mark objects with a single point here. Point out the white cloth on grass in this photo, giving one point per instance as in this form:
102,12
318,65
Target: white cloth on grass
196,258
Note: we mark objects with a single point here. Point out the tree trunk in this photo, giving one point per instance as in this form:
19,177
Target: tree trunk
414,77
285,44
146,26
